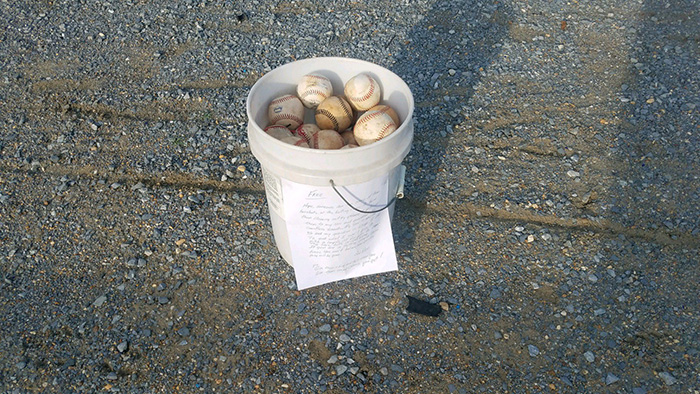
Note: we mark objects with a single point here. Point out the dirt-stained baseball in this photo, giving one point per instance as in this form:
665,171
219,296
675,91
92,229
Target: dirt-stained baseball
334,113
372,126
287,111
326,139
348,137
389,111
296,141
278,131
306,131
363,92
313,89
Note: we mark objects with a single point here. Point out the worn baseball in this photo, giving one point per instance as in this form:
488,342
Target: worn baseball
278,131
389,111
348,137
372,126
334,113
287,111
296,141
326,139
363,92
313,89
306,131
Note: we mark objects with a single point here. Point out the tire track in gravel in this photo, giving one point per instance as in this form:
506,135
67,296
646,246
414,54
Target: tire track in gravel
465,209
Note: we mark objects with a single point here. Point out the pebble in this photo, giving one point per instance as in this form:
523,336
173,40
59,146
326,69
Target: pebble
325,328
639,390
610,379
184,332
495,293
340,369
99,301
344,338
333,359
589,356
533,350
667,378
122,346
112,376
428,291
573,174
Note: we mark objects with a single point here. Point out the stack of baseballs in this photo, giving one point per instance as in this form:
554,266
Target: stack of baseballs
353,119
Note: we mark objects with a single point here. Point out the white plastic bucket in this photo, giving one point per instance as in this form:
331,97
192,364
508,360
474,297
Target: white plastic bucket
318,167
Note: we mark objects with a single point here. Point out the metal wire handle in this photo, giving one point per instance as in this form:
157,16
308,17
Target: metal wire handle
399,194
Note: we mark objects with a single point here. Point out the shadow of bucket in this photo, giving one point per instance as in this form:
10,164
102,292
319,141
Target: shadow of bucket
327,168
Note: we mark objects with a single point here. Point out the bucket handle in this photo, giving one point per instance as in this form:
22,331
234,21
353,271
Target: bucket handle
398,195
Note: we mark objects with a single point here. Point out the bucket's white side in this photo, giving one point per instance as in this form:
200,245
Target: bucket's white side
279,224
316,167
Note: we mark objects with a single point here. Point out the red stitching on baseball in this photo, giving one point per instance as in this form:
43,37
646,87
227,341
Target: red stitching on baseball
383,131
286,116
283,99
347,110
330,117
314,138
314,91
368,116
368,95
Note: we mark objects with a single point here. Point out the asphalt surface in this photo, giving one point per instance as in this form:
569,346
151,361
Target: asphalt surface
551,202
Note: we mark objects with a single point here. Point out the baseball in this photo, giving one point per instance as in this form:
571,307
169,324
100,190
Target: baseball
313,89
372,126
348,137
334,113
363,92
350,146
287,111
326,139
306,131
389,111
296,141
278,131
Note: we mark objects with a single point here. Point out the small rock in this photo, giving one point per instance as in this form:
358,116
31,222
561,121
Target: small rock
344,338
184,332
122,346
163,300
112,376
667,378
383,371
428,291
340,369
589,356
573,174
495,293
99,301
354,370
533,350
445,306
639,390
333,359
592,278
325,328
610,379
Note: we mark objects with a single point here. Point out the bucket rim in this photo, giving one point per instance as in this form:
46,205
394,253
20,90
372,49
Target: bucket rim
404,125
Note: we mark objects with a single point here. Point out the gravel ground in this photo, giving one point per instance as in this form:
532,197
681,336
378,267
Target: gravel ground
552,200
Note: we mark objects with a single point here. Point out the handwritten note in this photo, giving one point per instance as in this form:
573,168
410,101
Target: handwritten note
329,240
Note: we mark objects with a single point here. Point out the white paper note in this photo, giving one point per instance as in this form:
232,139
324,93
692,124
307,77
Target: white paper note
329,240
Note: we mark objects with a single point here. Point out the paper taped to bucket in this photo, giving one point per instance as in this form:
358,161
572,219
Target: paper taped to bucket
319,199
